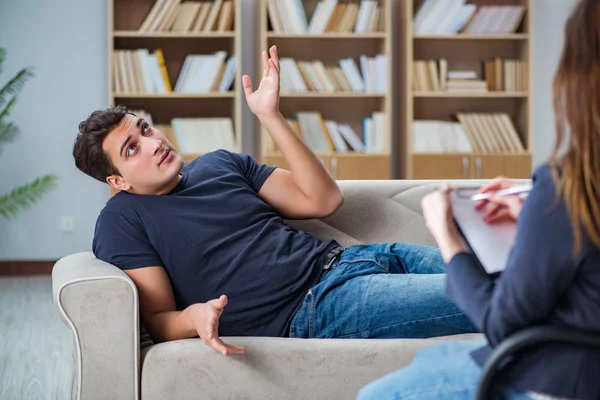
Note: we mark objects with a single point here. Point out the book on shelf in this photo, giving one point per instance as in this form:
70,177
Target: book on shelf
448,17
199,135
141,72
202,135
205,73
507,75
325,135
496,75
289,16
189,16
315,76
473,133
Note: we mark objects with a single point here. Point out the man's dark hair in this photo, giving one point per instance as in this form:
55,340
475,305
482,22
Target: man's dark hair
89,155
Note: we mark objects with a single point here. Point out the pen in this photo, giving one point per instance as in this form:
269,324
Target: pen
520,190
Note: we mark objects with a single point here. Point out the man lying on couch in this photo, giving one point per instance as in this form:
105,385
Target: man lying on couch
210,254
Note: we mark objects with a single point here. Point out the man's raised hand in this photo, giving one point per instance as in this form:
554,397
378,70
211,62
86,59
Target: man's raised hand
264,102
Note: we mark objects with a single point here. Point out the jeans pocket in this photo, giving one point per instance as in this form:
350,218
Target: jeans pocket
303,321
361,255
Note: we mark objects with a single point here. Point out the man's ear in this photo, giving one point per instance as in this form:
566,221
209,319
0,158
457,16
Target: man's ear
118,182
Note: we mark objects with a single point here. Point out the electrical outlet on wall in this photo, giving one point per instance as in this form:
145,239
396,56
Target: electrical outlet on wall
67,224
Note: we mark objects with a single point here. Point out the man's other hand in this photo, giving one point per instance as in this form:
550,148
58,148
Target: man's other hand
205,317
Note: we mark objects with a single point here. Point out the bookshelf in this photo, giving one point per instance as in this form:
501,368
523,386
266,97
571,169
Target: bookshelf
207,30
465,45
321,98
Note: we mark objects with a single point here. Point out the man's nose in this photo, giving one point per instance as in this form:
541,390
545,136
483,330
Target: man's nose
156,145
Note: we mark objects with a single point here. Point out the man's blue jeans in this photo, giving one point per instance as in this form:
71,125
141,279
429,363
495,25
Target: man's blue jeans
443,371
390,290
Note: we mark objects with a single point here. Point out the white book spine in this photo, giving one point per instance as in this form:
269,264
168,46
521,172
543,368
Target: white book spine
228,75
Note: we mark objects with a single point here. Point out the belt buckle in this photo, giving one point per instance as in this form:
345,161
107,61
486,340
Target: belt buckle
335,253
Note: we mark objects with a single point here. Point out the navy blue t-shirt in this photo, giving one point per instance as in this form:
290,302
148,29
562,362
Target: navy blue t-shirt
214,235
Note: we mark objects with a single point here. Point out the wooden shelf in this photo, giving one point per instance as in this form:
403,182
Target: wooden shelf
463,52
345,165
173,35
526,153
373,35
488,95
124,19
347,108
470,165
174,95
344,95
340,155
514,36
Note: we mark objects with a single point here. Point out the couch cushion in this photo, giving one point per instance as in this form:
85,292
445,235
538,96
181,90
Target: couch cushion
274,368
375,212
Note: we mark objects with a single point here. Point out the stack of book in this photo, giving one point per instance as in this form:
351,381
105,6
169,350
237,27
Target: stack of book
496,75
329,136
200,135
189,16
139,71
288,16
205,73
314,76
142,72
506,75
447,17
473,133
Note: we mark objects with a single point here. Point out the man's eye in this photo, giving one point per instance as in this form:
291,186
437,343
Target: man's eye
131,150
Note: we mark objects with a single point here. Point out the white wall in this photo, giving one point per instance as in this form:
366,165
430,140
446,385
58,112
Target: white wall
548,28
66,42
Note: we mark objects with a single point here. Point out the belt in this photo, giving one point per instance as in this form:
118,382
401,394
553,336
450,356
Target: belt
332,256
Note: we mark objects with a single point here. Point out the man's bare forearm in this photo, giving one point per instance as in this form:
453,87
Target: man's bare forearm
308,172
172,325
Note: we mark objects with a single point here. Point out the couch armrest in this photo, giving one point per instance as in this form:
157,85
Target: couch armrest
99,302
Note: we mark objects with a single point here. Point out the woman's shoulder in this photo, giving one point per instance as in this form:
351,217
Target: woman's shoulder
543,172
544,201
543,179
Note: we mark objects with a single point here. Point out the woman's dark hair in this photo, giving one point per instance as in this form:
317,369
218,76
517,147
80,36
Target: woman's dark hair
89,155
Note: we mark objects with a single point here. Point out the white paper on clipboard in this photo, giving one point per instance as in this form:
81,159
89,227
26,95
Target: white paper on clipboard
491,243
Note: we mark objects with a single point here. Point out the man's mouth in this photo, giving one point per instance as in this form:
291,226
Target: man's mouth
165,156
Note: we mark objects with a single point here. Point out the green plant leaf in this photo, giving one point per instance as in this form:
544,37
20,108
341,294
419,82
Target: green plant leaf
8,133
6,112
14,86
2,56
24,197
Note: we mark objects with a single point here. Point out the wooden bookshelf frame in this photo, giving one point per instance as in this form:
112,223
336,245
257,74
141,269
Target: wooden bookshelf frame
414,105
342,107
125,16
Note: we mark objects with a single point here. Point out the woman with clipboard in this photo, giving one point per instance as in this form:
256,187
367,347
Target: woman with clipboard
552,273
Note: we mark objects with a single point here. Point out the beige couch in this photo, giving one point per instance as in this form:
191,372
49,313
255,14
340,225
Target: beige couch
100,304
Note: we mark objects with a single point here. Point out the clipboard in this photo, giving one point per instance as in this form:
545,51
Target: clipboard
491,243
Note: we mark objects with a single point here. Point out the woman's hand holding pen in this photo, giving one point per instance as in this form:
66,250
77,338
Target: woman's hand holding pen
500,208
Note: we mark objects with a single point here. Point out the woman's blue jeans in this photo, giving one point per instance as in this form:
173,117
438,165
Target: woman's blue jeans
442,371
389,290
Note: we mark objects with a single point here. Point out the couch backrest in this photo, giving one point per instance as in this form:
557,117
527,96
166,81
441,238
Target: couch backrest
376,211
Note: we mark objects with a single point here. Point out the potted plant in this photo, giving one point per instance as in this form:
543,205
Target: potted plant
25,196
